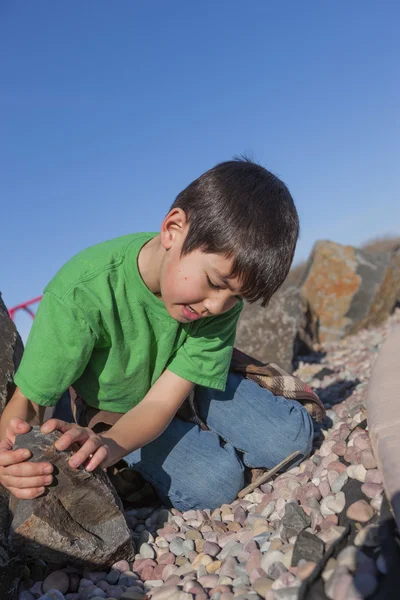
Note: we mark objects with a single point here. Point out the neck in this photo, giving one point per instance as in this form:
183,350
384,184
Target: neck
149,264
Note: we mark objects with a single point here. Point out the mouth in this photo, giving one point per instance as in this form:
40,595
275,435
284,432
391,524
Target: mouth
189,313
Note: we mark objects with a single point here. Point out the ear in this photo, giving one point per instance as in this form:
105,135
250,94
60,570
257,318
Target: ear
173,228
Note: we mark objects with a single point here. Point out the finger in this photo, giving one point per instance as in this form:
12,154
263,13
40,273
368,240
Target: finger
98,457
88,448
27,482
11,457
27,469
17,425
56,424
27,493
74,435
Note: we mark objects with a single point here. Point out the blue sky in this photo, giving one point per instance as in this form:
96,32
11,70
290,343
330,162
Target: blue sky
109,109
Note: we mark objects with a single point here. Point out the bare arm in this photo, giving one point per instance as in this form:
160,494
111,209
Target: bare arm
141,425
21,407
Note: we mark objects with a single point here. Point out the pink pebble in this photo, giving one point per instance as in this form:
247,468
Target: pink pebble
373,476
337,466
362,442
122,566
324,488
371,490
328,459
368,459
360,511
340,448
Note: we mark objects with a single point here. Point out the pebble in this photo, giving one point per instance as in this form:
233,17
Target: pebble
360,511
58,580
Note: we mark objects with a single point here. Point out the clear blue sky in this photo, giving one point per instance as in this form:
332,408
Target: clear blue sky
108,109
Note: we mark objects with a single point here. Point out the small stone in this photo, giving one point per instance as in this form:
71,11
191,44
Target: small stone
121,566
373,476
305,569
52,595
269,558
176,546
360,511
58,580
164,592
261,585
339,448
324,488
368,459
307,546
348,558
208,581
211,548
371,490
294,520
113,576
147,551
339,482
276,569
357,472
332,534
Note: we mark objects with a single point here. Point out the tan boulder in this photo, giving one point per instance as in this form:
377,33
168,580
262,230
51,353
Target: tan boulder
346,289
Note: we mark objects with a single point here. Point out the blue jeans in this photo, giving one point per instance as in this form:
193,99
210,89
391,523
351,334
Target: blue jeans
249,426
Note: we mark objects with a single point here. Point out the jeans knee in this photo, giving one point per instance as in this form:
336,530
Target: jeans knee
225,478
292,433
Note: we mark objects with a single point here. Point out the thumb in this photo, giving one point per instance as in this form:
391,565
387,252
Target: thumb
15,426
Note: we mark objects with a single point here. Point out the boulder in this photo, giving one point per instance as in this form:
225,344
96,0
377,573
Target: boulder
270,334
77,521
11,349
346,289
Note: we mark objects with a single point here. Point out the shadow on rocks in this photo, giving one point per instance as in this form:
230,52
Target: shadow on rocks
377,574
337,392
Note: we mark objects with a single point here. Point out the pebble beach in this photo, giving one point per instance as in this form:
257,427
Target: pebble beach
267,544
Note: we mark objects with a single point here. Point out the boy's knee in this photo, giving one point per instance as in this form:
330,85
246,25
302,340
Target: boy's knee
293,434
219,484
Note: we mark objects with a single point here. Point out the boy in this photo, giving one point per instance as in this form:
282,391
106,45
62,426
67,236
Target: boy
136,324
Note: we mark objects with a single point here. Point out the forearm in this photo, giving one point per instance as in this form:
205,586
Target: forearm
146,421
20,406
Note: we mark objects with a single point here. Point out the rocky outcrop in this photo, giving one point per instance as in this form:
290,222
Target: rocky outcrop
270,334
11,349
78,520
346,289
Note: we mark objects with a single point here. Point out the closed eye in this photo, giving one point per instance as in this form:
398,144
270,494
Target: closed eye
212,285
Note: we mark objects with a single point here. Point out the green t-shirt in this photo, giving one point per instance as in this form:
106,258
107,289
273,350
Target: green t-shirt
100,329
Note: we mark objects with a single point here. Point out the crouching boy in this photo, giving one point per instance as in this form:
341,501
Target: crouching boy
134,325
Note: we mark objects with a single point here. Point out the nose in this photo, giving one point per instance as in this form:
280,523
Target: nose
219,304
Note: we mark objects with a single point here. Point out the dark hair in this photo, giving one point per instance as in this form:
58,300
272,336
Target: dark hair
243,211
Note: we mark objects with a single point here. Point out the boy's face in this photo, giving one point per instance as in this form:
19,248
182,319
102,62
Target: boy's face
195,285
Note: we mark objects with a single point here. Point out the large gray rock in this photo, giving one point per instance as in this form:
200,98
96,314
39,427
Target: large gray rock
11,349
270,334
78,520
347,289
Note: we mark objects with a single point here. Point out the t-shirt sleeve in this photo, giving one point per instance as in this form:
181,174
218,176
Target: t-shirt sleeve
58,349
205,356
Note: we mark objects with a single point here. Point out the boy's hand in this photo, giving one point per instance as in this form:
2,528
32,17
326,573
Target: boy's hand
23,479
93,446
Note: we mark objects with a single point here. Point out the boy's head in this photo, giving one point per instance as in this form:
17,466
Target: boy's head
241,211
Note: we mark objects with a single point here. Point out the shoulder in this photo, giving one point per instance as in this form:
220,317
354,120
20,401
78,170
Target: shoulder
89,265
